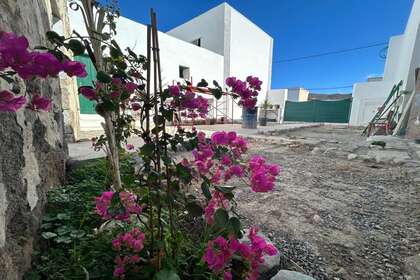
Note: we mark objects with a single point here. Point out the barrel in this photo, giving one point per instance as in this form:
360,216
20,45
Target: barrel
249,117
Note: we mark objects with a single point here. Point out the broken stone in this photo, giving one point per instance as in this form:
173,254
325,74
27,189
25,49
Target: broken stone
351,156
316,150
316,219
291,275
412,265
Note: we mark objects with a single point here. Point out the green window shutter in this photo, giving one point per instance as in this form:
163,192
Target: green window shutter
86,106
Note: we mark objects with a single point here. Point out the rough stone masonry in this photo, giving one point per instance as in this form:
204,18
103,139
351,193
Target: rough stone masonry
32,146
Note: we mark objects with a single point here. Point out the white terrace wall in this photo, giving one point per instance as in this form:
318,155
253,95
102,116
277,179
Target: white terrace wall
32,147
174,53
402,59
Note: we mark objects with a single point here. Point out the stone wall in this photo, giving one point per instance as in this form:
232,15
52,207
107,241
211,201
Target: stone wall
32,146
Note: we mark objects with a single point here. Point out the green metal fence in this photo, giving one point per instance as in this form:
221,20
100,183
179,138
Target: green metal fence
318,111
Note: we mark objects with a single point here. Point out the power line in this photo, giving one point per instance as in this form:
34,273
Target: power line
326,88
330,53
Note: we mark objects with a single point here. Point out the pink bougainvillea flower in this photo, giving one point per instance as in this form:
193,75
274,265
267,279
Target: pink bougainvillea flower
114,94
263,175
131,87
45,64
130,243
10,103
227,275
74,68
230,81
217,201
135,106
128,201
130,147
88,92
40,103
219,138
13,50
174,90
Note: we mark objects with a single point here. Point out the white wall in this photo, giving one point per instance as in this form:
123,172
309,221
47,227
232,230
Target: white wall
278,97
367,98
402,59
174,52
250,53
247,49
208,26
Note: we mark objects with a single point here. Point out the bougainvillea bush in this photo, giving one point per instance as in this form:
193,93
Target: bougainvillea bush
152,222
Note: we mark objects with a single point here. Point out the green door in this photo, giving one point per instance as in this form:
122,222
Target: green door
86,106
318,111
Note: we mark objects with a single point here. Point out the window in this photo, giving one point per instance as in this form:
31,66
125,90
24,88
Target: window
184,72
196,42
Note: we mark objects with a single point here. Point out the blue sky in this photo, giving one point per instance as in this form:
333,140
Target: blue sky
301,28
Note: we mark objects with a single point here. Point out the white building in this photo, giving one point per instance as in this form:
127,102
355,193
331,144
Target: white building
215,45
278,98
402,59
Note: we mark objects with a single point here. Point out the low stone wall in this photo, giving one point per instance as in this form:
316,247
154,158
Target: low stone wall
32,146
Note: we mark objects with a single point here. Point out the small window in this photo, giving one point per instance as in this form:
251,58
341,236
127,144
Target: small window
184,72
196,42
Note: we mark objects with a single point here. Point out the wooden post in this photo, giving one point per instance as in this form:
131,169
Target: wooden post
413,124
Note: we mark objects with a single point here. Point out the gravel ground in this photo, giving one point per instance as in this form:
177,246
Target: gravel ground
334,218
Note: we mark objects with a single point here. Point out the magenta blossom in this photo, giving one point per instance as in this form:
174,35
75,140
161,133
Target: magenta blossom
131,87
74,68
128,245
174,90
39,103
128,203
10,103
135,106
130,147
88,92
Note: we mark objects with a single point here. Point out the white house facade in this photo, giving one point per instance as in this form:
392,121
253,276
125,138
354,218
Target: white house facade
402,59
212,46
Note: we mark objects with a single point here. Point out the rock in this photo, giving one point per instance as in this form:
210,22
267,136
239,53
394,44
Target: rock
351,156
412,265
330,151
316,151
316,219
291,275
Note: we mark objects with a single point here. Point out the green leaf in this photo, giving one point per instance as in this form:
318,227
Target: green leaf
121,64
54,37
115,53
76,47
167,274
235,225
147,149
77,233
216,84
217,92
183,173
103,77
63,216
205,189
32,275
202,83
48,235
225,189
168,115
221,217
63,239
194,209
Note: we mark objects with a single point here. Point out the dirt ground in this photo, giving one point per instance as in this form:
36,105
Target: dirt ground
335,218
